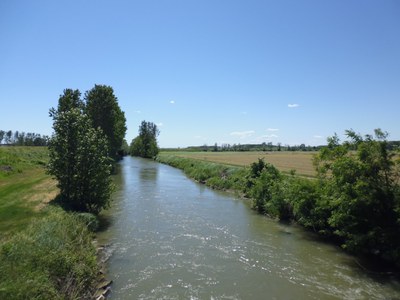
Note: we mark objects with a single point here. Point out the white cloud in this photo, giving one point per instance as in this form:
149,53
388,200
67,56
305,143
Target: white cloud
270,136
159,124
138,111
294,105
242,134
318,136
272,129
172,102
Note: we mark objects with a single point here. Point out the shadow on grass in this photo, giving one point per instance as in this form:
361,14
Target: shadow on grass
103,220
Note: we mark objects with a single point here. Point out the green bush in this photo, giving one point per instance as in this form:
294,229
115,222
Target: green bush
52,259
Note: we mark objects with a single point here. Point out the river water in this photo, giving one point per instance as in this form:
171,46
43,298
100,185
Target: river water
171,238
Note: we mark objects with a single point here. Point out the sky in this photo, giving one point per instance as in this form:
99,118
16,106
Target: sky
208,71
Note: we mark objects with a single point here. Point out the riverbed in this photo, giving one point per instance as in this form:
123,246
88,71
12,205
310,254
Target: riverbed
172,238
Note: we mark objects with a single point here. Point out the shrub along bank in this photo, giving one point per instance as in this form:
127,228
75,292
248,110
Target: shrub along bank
355,199
54,258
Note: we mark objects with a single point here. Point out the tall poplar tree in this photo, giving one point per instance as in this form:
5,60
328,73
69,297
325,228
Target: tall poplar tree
145,144
79,157
103,110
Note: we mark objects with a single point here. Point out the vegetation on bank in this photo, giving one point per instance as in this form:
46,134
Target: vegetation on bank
102,108
53,258
215,175
45,252
88,137
79,157
355,199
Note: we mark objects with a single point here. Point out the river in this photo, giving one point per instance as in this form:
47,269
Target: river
171,238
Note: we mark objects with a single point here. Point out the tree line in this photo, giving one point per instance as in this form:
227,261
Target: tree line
88,138
392,145
247,147
20,138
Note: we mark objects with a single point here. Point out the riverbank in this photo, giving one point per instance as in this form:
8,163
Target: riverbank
310,203
45,252
172,238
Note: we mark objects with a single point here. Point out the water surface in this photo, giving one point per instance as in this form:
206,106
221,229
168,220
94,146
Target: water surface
172,238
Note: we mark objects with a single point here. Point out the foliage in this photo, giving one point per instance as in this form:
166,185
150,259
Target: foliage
360,181
145,144
214,175
54,258
18,138
104,112
79,157
261,185
124,149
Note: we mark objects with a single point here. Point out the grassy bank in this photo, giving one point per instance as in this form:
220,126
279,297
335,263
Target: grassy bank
24,187
45,252
215,175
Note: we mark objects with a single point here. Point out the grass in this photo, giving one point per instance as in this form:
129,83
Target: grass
53,258
284,161
215,175
24,187
45,252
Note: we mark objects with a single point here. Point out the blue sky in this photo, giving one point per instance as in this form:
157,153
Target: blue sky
208,71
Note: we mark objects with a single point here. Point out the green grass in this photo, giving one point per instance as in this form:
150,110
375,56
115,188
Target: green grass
19,159
24,187
53,258
214,175
45,252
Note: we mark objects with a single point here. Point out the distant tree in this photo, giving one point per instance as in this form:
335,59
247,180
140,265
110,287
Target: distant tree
124,149
2,133
21,139
79,157
145,144
215,148
15,137
103,110
8,137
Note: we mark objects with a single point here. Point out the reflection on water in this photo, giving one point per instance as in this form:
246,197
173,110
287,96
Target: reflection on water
174,239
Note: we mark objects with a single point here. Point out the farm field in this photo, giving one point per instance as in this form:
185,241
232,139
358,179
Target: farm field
301,162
